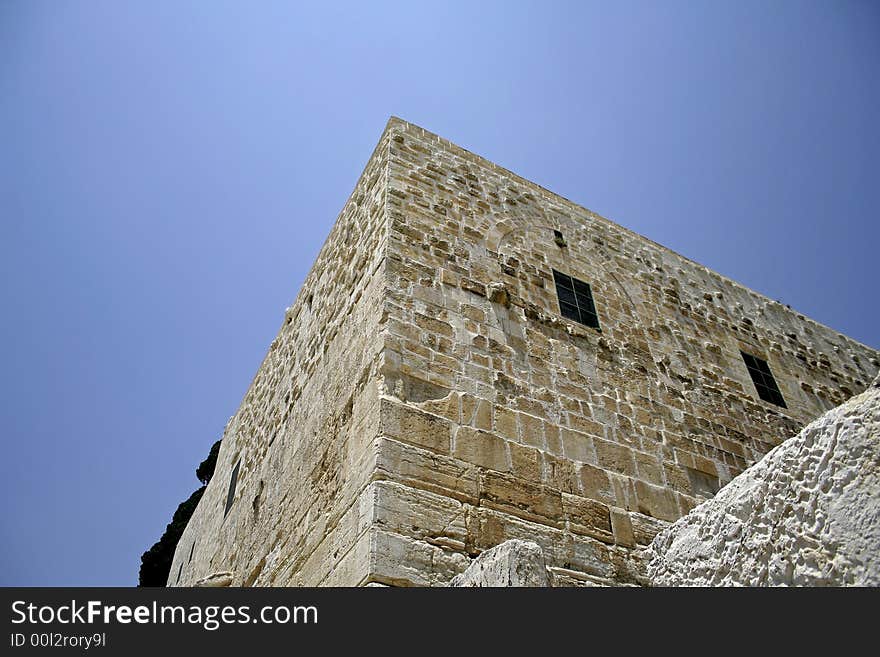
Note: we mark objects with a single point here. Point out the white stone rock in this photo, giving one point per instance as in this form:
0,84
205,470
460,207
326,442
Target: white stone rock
511,563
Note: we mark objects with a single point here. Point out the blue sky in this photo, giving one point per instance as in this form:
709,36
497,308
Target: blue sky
169,170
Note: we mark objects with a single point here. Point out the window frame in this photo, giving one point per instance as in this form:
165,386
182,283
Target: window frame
575,300
764,382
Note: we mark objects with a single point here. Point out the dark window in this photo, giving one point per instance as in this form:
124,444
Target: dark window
575,300
179,570
559,238
230,496
764,382
191,548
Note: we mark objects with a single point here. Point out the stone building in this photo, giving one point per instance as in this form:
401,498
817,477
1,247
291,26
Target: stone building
472,359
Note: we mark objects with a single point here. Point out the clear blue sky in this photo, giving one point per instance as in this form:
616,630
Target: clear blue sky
169,170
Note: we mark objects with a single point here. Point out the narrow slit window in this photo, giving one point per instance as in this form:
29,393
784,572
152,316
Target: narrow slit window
233,480
763,379
575,300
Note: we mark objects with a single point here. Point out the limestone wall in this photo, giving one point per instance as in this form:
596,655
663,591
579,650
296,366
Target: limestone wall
425,400
501,419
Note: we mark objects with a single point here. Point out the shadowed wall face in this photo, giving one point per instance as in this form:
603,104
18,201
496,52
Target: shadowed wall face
430,397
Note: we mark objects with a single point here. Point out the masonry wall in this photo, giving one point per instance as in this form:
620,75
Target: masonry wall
430,402
305,429
502,419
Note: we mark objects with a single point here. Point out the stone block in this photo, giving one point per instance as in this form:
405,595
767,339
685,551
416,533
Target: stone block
506,423
420,468
614,457
656,501
596,484
532,431
410,425
622,527
522,498
585,515
578,446
481,448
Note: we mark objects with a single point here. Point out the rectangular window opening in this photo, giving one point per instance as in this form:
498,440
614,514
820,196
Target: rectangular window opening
575,300
233,480
763,379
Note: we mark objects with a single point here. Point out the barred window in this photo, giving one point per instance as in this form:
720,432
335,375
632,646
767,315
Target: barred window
763,379
575,299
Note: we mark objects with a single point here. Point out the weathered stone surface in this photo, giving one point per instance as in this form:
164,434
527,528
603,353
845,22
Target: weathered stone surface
808,514
425,399
512,563
217,580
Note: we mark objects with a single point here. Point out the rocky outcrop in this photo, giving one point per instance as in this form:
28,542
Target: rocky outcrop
512,563
807,514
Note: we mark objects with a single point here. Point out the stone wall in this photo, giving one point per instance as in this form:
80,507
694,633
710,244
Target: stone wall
434,403
504,420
